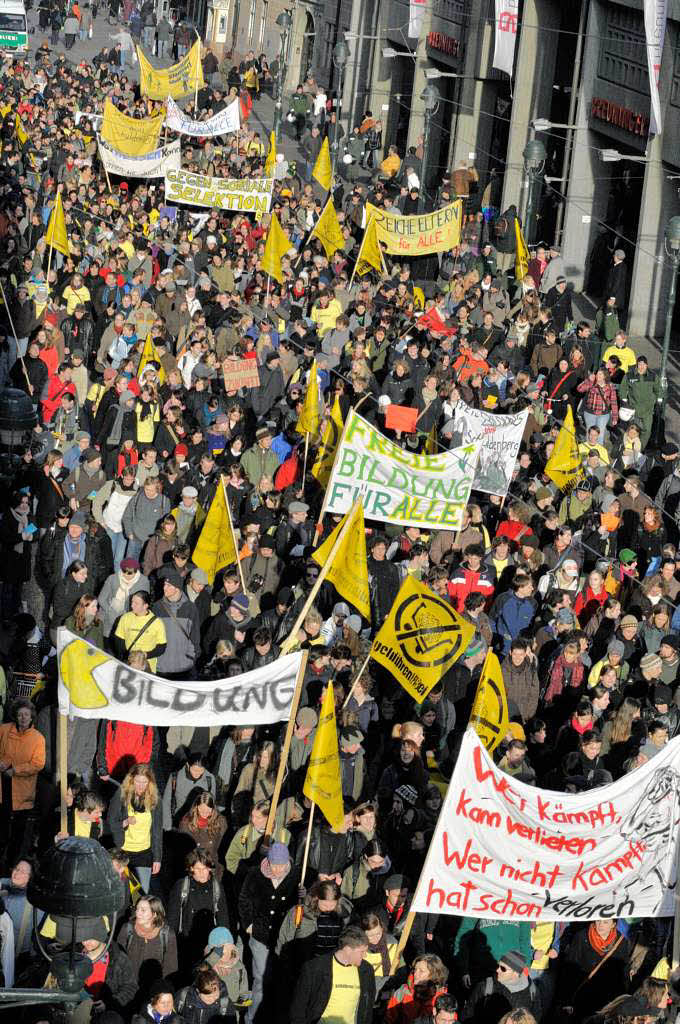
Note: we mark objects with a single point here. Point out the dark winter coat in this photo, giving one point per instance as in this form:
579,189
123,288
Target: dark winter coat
263,906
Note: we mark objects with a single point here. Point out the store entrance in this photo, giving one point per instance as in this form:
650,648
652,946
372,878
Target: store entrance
618,190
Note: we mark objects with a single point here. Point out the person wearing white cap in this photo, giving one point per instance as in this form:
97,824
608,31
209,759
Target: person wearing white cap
189,516
564,578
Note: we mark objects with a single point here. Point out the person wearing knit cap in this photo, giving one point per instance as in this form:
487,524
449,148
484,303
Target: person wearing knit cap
222,955
668,652
510,989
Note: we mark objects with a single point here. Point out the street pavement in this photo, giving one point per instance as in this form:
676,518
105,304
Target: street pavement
262,117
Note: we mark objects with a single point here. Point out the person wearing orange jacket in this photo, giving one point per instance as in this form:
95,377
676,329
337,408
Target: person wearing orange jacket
22,757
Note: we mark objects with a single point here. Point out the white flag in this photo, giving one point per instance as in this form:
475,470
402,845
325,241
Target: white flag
416,13
507,17
655,30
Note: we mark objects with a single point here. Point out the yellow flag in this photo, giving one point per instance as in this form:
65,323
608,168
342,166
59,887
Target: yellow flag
149,355
349,570
322,168
370,254
564,465
431,446
276,246
521,255
329,443
182,79
310,416
328,230
215,546
489,715
56,237
323,782
420,639
131,136
19,128
270,162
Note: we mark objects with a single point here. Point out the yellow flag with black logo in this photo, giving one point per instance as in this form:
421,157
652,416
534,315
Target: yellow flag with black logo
521,255
150,355
323,782
420,639
270,162
370,255
310,414
489,715
276,247
327,229
323,171
321,469
564,465
215,546
56,237
349,570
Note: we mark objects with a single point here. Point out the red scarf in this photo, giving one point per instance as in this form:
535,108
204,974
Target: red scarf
600,945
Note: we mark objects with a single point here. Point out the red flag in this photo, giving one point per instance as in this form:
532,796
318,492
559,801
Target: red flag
432,320
287,473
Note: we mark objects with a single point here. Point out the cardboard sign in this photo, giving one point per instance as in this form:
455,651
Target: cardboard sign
401,417
240,373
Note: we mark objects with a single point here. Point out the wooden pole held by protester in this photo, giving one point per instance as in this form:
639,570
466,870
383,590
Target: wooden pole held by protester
63,770
233,538
403,939
307,844
285,750
11,323
292,636
358,677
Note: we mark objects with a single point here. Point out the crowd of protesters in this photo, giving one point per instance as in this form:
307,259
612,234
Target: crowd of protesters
577,591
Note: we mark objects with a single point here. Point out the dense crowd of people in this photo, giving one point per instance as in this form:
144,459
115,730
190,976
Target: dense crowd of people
575,590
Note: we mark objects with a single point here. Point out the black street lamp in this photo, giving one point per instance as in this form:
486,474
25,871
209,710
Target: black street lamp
430,96
284,21
340,58
672,246
76,884
534,163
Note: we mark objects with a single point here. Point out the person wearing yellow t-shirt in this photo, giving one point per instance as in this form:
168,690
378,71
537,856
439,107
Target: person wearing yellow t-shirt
75,294
325,313
338,987
136,821
391,164
622,350
140,631
84,816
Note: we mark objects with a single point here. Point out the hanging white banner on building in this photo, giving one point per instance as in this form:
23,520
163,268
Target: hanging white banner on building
92,684
430,491
508,851
152,165
655,32
416,13
499,438
247,195
505,36
228,120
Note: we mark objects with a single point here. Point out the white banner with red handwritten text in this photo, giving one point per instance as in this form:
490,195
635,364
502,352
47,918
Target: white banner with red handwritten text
509,851
505,36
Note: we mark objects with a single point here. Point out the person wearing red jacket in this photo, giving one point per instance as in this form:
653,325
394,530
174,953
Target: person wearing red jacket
57,386
470,578
591,598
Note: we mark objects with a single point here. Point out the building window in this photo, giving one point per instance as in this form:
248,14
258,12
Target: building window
251,21
263,25
623,60
328,43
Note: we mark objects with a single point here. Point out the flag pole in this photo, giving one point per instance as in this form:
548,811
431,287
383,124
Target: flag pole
285,749
304,464
233,537
290,640
322,513
269,281
307,843
11,323
358,676
49,258
198,64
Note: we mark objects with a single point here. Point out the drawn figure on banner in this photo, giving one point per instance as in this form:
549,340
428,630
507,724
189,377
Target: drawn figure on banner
653,823
491,472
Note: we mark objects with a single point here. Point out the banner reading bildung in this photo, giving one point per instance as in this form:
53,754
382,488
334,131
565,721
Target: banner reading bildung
182,79
499,438
94,685
420,233
153,165
247,195
508,851
228,120
430,491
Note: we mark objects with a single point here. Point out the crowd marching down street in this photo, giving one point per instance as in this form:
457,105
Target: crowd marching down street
339,568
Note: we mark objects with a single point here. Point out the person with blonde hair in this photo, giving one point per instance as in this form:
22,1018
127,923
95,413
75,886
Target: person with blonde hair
136,822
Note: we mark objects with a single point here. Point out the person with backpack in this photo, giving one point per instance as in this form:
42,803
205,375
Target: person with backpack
505,239
151,945
510,989
206,999
197,904
183,786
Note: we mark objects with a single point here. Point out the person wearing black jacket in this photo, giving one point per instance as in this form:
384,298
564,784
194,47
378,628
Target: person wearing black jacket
384,581
30,374
197,904
328,984
78,331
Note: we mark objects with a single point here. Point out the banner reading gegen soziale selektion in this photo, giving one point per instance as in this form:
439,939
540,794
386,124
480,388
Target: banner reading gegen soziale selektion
245,195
